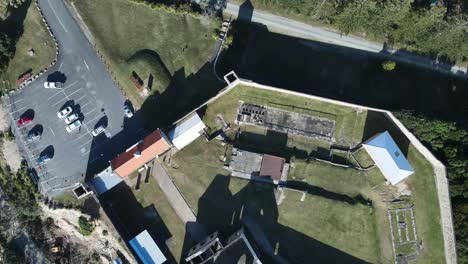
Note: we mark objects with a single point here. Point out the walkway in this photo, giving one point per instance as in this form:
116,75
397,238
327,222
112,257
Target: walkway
178,202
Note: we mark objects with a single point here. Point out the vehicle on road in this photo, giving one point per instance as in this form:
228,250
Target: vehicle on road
98,130
33,136
73,126
70,118
128,111
64,112
53,85
43,159
24,121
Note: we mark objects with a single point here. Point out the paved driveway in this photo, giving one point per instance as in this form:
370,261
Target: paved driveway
90,91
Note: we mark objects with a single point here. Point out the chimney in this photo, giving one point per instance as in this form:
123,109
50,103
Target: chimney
137,154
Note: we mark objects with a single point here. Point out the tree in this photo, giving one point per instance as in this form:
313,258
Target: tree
5,6
388,65
6,50
356,16
86,227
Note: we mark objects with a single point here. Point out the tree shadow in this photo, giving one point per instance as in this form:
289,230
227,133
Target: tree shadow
13,25
255,208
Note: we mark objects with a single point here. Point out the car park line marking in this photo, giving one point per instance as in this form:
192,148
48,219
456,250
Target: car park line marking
58,102
86,104
52,131
70,85
84,95
19,109
57,93
58,17
87,113
74,91
86,64
60,65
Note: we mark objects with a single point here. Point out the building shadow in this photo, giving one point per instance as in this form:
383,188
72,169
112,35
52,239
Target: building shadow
254,208
246,11
343,73
130,218
183,94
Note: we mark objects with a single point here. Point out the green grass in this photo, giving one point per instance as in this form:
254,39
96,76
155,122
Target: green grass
35,36
198,167
150,193
332,178
68,198
134,37
349,123
363,158
348,228
426,209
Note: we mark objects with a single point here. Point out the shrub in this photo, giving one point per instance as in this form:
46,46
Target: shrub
388,65
86,227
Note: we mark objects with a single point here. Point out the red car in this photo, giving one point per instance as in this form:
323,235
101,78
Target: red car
24,121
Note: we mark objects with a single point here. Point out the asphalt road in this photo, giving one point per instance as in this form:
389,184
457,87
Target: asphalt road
90,90
295,28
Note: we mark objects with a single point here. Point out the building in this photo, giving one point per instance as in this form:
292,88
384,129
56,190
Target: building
147,250
261,167
135,157
186,131
237,249
105,180
388,157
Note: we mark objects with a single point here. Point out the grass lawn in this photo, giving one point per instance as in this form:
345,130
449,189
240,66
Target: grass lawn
68,198
151,194
363,158
134,37
35,36
348,228
197,171
349,123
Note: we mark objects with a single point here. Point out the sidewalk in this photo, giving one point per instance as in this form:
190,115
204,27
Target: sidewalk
177,202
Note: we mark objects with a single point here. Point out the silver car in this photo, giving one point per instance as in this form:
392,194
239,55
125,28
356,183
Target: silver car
98,130
73,126
70,118
53,85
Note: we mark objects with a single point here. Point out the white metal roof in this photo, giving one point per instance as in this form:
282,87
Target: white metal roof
105,181
388,157
146,249
186,132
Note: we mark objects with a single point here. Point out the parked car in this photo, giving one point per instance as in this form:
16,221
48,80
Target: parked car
70,118
64,112
43,159
98,130
56,85
73,126
33,136
24,121
128,112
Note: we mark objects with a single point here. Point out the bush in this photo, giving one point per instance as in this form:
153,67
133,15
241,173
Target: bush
388,65
86,227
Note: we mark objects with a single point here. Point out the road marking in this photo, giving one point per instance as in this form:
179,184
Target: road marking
58,18
90,112
52,131
60,65
86,64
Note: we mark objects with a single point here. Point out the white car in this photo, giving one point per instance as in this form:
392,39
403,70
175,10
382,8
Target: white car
64,112
53,85
70,118
128,112
98,130
73,126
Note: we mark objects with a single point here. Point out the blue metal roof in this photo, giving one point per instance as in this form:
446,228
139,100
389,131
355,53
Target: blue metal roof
146,249
388,157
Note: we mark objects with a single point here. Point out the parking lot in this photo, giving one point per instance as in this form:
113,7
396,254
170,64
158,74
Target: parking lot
76,153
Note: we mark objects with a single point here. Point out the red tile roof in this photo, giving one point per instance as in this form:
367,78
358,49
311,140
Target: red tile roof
139,154
272,166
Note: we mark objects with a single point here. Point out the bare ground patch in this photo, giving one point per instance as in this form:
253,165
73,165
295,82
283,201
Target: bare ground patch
11,154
